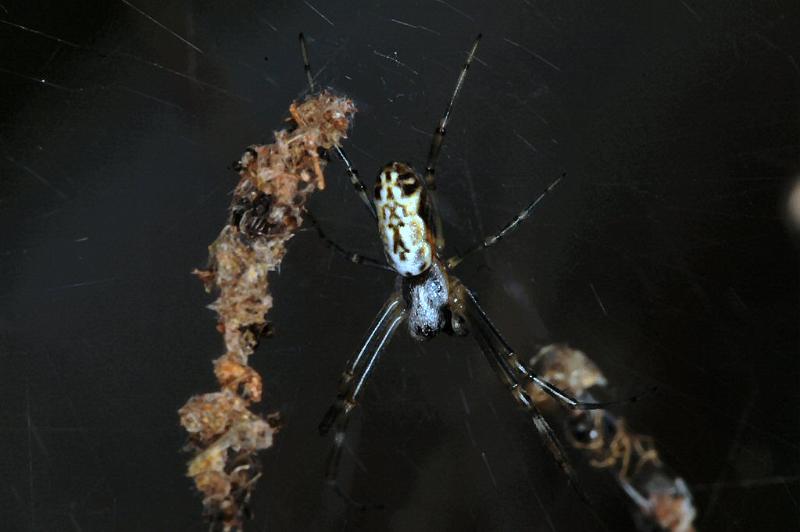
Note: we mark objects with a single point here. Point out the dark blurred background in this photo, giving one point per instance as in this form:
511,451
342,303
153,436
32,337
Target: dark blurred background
665,254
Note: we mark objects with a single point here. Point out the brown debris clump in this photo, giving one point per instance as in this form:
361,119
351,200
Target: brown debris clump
266,210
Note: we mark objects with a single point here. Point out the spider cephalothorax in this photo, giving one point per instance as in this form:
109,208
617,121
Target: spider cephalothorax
400,203
427,296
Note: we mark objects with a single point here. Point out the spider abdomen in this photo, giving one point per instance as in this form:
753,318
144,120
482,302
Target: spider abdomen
399,200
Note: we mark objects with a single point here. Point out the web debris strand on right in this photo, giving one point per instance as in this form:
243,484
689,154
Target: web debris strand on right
659,496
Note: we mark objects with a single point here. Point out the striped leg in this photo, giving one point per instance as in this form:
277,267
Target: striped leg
490,241
441,129
352,173
487,337
519,372
436,145
352,382
350,256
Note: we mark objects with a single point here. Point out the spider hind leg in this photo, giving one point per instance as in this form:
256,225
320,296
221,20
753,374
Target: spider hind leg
505,363
353,379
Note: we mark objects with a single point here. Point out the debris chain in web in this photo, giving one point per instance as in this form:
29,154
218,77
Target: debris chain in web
660,497
266,210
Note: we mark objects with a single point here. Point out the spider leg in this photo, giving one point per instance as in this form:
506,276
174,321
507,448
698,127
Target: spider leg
438,135
354,376
353,257
306,62
359,367
355,180
436,146
352,173
496,354
332,465
520,371
489,241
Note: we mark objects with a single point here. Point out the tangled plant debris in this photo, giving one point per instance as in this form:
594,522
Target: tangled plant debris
660,498
266,210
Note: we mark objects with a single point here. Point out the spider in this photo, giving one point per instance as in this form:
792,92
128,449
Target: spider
427,295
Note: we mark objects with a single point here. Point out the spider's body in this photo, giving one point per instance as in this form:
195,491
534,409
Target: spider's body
400,201
427,295
401,204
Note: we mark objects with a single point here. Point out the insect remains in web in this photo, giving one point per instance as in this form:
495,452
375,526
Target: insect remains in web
428,297
661,499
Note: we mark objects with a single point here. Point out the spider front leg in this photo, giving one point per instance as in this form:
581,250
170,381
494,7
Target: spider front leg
353,379
352,173
435,222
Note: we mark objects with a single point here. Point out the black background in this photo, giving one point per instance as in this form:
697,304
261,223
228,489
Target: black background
664,254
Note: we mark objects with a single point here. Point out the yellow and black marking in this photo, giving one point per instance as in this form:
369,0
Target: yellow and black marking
400,204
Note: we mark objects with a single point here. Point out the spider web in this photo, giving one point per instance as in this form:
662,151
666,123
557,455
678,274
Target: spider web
663,255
